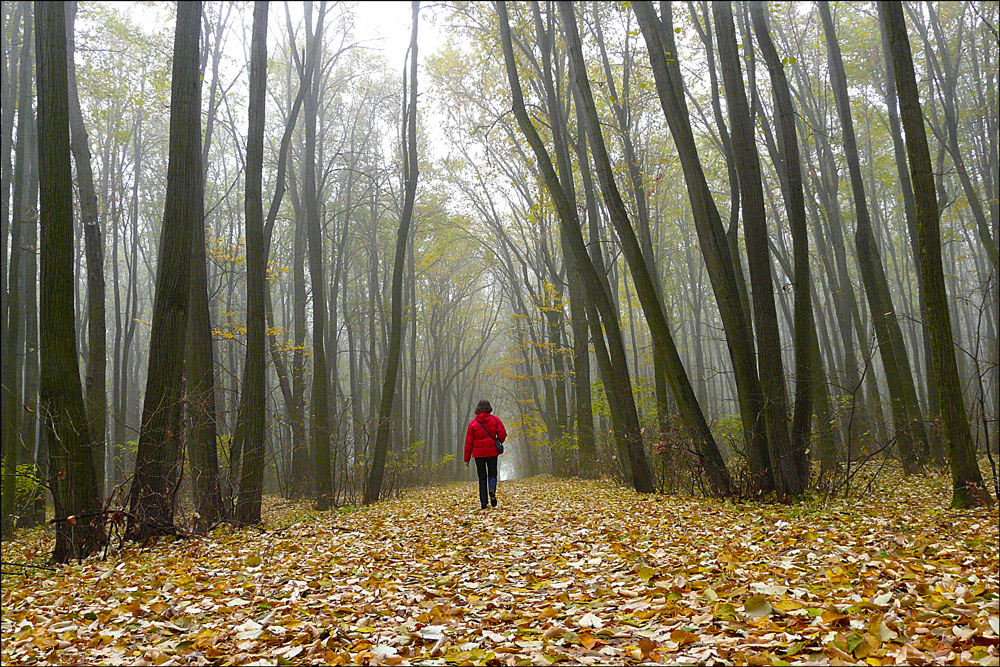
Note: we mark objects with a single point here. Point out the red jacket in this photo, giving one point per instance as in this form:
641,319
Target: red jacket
479,443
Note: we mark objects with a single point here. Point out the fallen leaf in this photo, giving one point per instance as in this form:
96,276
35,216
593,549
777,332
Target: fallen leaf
757,606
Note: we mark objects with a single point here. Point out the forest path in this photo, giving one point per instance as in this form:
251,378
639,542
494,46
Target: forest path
562,571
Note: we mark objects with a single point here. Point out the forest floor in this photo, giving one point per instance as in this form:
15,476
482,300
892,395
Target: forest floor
563,571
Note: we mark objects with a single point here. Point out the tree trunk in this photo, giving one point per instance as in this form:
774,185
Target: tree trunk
790,476
373,487
619,389
968,489
290,387
804,327
911,436
652,306
33,444
909,208
97,361
720,259
252,478
320,430
199,363
151,500
79,528
9,378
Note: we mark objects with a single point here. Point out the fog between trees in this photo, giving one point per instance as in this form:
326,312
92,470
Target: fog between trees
739,249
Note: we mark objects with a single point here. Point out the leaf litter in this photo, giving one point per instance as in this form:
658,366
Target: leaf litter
564,571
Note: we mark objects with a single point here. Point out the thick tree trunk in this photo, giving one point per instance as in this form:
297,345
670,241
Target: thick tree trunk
79,529
252,477
789,474
967,482
199,363
151,500
804,327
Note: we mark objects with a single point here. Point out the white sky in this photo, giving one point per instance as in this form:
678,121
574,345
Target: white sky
385,22
382,25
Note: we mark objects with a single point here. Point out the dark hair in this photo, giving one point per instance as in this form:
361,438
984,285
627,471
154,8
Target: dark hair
484,406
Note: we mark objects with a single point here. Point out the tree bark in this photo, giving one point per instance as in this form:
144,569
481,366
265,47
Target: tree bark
968,489
252,420
910,208
373,487
320,430
79,529
804,327
97,359
151,499
790,475
911,435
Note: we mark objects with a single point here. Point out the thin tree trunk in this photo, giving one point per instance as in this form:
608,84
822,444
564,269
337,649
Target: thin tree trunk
320,430
804,327
33,444
720,258
909,208
911,436
10,390
373,487
620,386
97,360
663,345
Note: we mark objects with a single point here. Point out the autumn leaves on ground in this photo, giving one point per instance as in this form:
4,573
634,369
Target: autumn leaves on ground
562,571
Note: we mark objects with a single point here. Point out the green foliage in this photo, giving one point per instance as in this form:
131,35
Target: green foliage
729,429
26,482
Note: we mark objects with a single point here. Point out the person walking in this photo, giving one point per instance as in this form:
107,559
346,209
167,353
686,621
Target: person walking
482,441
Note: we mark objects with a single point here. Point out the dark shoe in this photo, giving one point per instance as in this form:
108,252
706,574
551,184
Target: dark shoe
493,499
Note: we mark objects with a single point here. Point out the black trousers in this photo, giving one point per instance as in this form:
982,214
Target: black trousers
486,468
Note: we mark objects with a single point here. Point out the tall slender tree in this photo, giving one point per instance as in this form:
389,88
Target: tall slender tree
719,256
911,435
373,486
79,528
10,416
97,358
652,306
967,482
252,419
804,327
151,499
603,314
320,427
789,474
